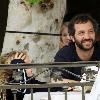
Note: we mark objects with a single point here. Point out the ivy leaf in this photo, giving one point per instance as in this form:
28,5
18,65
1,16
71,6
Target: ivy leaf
31,2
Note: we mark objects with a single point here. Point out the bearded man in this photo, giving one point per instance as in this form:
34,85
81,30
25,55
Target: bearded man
82,29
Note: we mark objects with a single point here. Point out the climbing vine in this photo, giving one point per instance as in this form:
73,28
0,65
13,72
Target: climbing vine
44,5
31,2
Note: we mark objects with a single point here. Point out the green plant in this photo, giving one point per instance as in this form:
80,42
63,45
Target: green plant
31,2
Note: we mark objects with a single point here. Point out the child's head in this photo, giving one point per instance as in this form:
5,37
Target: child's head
64,35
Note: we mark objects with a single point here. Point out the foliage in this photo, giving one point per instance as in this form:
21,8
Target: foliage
31,2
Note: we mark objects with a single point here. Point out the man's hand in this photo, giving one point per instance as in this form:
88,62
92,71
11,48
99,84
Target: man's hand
63,81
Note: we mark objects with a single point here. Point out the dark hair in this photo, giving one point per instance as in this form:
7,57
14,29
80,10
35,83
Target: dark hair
81,18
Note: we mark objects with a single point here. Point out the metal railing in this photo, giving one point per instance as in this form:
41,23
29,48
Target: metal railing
15,86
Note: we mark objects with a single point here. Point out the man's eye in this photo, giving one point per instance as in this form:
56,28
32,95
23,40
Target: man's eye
81,33
91,31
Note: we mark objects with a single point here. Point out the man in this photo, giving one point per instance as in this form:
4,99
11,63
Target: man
83,29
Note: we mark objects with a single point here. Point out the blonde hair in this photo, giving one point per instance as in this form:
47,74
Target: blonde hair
5,57
63,26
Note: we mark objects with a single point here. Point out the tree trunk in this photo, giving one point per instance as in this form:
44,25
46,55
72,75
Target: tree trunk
35,18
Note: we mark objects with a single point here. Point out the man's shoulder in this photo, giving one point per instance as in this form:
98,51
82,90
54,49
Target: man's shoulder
65,53
67,49
97,45
96,53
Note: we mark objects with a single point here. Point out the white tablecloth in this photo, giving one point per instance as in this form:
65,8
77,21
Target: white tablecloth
95,92
55,96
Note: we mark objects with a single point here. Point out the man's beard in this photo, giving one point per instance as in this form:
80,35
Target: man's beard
81,46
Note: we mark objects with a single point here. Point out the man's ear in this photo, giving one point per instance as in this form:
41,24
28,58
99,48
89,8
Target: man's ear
72,38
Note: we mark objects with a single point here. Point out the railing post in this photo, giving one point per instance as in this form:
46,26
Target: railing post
14,91
31,94
2,94
83,94
49,96
65,90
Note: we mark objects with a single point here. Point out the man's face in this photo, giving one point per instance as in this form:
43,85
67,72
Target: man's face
84,37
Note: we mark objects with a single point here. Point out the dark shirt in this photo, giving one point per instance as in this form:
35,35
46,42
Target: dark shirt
69,54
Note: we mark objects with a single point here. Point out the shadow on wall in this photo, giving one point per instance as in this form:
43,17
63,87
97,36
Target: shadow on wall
3,20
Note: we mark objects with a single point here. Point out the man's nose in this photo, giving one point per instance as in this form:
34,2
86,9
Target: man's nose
86,36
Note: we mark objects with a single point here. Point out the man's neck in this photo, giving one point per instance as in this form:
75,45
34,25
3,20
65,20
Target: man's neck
84,55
